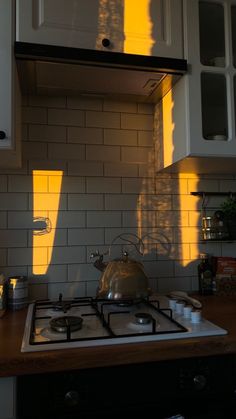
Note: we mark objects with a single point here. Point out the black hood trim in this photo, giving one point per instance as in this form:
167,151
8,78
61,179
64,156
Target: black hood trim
25,50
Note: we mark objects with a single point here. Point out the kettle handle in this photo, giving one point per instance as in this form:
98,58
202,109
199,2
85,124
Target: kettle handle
139,245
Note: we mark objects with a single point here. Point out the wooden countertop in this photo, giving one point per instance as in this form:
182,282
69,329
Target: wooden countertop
219,310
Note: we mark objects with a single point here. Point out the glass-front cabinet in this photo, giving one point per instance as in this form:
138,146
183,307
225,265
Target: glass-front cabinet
207,94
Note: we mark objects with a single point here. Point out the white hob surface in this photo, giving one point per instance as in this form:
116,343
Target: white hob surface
108,323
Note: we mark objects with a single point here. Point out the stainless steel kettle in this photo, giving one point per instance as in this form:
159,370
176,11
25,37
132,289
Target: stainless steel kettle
123,278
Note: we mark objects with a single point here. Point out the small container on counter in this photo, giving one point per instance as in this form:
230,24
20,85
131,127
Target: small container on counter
3,294
205,275
17,292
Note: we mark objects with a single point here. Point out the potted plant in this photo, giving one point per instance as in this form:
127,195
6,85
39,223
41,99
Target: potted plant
229,209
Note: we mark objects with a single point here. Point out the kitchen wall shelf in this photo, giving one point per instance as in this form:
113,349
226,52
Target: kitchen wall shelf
202,194
215,226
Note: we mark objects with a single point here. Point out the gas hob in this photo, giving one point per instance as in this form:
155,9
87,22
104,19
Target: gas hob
87,322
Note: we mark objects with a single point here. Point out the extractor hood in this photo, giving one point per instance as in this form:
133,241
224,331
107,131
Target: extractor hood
53,70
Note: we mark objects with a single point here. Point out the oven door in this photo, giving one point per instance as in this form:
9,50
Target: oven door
194,388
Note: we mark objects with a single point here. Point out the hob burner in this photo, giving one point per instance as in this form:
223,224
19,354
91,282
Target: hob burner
63,323
61,305
143,318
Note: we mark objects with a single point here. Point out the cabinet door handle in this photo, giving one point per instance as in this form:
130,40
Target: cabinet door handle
2,135
106,42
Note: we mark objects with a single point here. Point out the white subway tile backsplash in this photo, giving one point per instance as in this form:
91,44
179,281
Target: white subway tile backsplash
173,186
13,201
103,219
66,117
33,150
20,219
120,137
137,219
103,153
47,133
85,168
112,106
3,219
84,103
85,236
136,154
66,184
3,257
83,272
52,273
67,219
3,183
47,201
121,169
146,108
68,289
173,251
85,135
89,175
85,202
137,121
71,151
25,256
145,139
45,165
138,185
102,119
9,271
91,288
187,268
31,115
38,291
103,185
227,185
69,254
47,101
50,238
173,218
207,185
18,183
159,268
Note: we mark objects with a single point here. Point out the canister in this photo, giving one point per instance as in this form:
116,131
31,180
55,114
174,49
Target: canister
17,292
3,293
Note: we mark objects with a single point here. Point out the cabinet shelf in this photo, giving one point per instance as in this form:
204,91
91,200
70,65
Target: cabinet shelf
202,194
214,229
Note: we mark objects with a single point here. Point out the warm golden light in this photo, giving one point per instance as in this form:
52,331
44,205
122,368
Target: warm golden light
46,197
168,128
189,233
137,22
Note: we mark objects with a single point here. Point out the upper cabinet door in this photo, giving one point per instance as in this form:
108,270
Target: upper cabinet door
148,27
10,122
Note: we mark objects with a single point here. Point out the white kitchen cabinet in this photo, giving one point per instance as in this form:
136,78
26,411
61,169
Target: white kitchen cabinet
10,95
148,28
201,108
7,398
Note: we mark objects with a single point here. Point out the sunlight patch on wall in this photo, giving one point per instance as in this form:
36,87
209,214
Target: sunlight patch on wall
110,23
168,128
44,181
186,236
137,22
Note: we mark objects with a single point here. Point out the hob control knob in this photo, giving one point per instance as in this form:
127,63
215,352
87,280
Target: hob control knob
71,398
2,135
200,382
106,42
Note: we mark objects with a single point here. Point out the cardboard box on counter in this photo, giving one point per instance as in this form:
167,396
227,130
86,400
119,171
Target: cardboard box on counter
226,265
225,284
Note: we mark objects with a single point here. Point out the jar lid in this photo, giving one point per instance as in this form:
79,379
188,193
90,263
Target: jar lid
13,280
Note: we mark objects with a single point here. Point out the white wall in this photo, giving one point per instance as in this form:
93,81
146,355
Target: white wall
109,186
